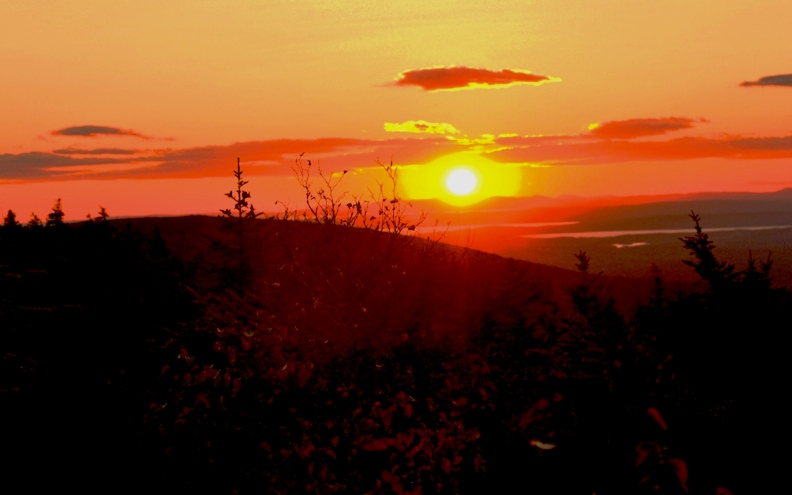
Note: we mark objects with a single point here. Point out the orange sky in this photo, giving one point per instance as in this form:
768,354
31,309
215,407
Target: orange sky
144,106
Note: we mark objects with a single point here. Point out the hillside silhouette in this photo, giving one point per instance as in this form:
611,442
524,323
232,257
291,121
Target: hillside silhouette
248,355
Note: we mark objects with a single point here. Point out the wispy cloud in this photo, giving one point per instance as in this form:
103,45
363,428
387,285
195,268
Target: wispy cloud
100,168
98,151
634,128
777,80
97,130
456,78
421,126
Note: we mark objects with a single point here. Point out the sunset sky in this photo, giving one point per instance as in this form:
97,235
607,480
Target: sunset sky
143,107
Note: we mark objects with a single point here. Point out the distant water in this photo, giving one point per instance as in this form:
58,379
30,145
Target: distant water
619,233
632,244
456,228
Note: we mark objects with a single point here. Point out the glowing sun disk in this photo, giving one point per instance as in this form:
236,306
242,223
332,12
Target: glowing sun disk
461,182
461,179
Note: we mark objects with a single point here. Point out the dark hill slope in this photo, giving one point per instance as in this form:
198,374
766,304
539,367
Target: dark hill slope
332,267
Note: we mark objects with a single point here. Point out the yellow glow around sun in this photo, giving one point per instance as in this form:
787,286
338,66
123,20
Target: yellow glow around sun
460,179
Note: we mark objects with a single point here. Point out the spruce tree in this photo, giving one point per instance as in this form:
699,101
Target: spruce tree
55,218
239,224
10,220
34,221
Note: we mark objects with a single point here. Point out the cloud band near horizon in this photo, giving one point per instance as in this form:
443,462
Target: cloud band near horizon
611,142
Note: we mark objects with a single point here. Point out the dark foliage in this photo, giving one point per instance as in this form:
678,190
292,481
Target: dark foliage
719,367
83,311
337,365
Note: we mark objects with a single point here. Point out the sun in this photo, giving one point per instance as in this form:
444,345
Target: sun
461,181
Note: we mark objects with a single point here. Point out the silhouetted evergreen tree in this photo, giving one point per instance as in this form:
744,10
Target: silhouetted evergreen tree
55,217
34,221
237,277
102,215
716,273
10,220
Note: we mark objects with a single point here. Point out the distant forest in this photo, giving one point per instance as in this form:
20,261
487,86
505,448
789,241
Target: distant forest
334,350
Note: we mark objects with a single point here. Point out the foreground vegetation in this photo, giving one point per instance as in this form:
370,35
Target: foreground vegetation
320,358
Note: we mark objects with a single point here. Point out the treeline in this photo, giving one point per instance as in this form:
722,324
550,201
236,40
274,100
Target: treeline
339,368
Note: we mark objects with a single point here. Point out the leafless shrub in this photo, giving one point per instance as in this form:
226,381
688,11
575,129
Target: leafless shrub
326,205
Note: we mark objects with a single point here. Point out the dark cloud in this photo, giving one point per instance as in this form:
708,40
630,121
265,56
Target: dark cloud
455,78
99,151
37,165
777,80
96,130
634,128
